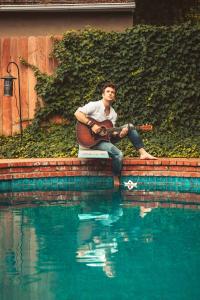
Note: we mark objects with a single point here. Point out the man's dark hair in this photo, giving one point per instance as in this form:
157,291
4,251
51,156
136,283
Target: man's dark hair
109,84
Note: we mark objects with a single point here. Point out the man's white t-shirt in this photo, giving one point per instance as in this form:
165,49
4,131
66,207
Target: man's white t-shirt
96,110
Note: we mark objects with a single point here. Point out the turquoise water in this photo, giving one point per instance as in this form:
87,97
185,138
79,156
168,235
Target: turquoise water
100,246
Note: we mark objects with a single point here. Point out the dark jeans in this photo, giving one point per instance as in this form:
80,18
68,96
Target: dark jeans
115,153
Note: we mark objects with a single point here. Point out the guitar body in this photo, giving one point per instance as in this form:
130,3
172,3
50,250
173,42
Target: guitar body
87,138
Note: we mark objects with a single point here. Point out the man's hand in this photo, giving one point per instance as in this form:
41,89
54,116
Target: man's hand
123,132
96,128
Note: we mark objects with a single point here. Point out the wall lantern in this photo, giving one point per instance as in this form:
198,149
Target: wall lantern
8,89
8,85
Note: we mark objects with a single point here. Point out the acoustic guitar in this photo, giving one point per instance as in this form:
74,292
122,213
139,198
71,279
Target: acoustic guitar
87,138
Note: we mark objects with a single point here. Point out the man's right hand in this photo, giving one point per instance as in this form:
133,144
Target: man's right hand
96,128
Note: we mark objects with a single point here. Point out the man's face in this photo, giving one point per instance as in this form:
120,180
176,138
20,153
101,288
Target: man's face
109,94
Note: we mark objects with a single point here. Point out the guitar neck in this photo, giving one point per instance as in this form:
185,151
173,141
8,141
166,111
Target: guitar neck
118,129
114,129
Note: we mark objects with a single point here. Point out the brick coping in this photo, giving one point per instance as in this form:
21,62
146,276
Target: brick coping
53,167
126,160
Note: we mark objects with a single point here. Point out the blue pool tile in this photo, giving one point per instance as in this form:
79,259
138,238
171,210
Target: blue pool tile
101,182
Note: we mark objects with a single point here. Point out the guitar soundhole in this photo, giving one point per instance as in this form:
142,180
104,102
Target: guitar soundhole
103,131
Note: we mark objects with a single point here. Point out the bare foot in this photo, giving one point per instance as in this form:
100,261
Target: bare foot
116,181
145,155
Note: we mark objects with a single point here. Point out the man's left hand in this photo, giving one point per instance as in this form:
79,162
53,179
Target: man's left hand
123,132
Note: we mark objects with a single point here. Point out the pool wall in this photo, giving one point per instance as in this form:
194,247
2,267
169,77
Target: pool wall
11,169
27,181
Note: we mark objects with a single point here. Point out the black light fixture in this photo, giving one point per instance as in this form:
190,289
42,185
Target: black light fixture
8,85
8,89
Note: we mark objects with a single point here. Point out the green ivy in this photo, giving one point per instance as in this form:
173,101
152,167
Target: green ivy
54,141
60,141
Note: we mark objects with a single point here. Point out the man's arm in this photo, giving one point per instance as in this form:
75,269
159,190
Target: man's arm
81,117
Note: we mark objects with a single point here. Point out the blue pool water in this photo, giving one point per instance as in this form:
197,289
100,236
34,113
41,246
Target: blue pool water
99,245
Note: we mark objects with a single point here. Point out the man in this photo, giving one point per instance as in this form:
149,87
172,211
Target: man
102,110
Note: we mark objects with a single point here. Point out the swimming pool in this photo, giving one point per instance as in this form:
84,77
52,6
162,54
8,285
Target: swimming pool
64,244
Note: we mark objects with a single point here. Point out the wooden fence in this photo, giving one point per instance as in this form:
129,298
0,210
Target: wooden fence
36,51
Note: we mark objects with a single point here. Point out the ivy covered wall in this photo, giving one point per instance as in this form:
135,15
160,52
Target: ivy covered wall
156,69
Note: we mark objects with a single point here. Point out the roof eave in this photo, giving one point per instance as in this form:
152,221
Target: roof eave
69,7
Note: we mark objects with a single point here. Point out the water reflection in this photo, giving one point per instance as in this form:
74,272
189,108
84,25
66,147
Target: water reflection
96,236
106,239
99,234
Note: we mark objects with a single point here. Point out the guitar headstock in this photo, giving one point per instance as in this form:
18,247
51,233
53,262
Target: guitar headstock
146,127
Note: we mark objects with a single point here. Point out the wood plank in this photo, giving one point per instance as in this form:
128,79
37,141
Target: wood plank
32,59
41,59
23,52
41,53
51,63
49,60
15,98
7,107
